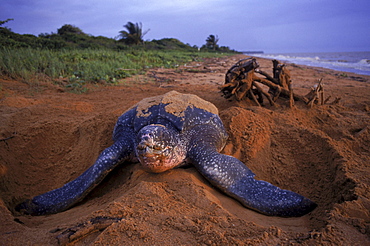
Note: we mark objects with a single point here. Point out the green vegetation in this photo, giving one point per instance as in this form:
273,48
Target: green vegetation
79,58
89,64
71,37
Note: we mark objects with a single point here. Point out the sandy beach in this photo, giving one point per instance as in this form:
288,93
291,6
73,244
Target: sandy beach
49,136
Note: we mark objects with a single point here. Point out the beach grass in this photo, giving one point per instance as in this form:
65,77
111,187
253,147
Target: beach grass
80,66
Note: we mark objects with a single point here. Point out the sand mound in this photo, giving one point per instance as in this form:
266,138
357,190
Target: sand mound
322,153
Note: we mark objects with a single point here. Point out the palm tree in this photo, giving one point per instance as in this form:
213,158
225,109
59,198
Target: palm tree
5,21
134,33
212,42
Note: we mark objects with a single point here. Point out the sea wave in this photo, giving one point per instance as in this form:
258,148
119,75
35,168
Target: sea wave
355,62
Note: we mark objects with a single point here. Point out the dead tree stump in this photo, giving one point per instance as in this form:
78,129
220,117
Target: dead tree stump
241,81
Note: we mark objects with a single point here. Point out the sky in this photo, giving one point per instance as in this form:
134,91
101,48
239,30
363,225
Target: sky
272,26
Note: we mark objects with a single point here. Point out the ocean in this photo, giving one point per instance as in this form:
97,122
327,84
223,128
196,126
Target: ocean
354,62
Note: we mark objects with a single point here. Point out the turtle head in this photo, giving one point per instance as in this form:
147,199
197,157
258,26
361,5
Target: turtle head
159,148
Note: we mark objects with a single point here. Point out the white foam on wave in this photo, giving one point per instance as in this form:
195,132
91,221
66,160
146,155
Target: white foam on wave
355,62
365,61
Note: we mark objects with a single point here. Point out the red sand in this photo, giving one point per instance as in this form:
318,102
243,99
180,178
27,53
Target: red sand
321,153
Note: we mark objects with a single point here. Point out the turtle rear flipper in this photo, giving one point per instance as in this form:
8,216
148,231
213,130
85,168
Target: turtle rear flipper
269,199
71,193
235,179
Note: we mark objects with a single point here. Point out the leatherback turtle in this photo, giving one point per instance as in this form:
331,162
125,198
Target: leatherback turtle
162,132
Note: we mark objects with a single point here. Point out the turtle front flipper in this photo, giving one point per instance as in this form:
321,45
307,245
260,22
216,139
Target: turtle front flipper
235,179
63,198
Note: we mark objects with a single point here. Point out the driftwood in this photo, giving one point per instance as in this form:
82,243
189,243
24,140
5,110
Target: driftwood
242,81
316,95
4,139
282,75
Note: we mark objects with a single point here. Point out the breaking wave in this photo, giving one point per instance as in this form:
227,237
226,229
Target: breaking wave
355,62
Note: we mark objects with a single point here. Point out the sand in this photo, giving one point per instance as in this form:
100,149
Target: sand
50,136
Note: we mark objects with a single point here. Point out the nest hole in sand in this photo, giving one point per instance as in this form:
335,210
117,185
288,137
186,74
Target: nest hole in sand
290,156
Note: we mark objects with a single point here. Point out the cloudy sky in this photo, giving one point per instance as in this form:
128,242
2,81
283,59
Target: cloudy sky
270,25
